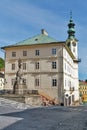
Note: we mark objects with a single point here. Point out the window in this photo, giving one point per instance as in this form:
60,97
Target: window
24,66
13,54
36,65
37,82
54,82
53,65
37,52
24,53
12,81
54,51
13,66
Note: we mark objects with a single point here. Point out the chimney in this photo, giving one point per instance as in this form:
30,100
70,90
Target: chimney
43,31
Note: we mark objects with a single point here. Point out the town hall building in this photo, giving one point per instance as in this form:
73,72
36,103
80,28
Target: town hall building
48,66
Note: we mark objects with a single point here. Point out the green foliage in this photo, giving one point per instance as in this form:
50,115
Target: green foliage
2,63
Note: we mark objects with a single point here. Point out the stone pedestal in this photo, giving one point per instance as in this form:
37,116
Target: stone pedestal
20,89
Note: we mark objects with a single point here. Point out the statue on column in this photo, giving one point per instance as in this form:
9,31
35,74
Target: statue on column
18,78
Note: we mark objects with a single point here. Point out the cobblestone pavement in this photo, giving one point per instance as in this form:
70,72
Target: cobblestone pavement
41,118
14,104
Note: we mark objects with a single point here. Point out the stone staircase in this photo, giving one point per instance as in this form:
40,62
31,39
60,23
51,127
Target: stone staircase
46,99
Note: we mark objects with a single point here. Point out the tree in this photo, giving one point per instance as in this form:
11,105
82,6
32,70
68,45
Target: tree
2,63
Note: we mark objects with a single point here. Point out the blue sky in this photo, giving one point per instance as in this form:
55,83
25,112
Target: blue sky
21,19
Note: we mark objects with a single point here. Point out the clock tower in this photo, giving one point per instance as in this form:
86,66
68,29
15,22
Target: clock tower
71,40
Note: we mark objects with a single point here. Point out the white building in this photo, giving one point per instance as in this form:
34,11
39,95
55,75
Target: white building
48,66
1,81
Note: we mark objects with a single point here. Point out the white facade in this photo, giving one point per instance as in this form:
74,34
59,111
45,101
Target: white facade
71,88
53,71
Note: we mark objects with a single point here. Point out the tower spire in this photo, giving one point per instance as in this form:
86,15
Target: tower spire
71,30
70,14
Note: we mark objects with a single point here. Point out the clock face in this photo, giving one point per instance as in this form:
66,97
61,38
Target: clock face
74,44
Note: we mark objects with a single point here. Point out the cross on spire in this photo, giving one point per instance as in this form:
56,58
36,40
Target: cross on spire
70,14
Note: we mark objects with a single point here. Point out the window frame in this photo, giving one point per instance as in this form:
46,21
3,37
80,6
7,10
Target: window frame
37,82
24,53
13,54
54,82
13,66
53,51
24,66
54,65
37,52
37,65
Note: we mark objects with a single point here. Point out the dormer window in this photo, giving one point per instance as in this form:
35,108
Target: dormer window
36,39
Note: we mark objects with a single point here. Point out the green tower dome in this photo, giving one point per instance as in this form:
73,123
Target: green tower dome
71,29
